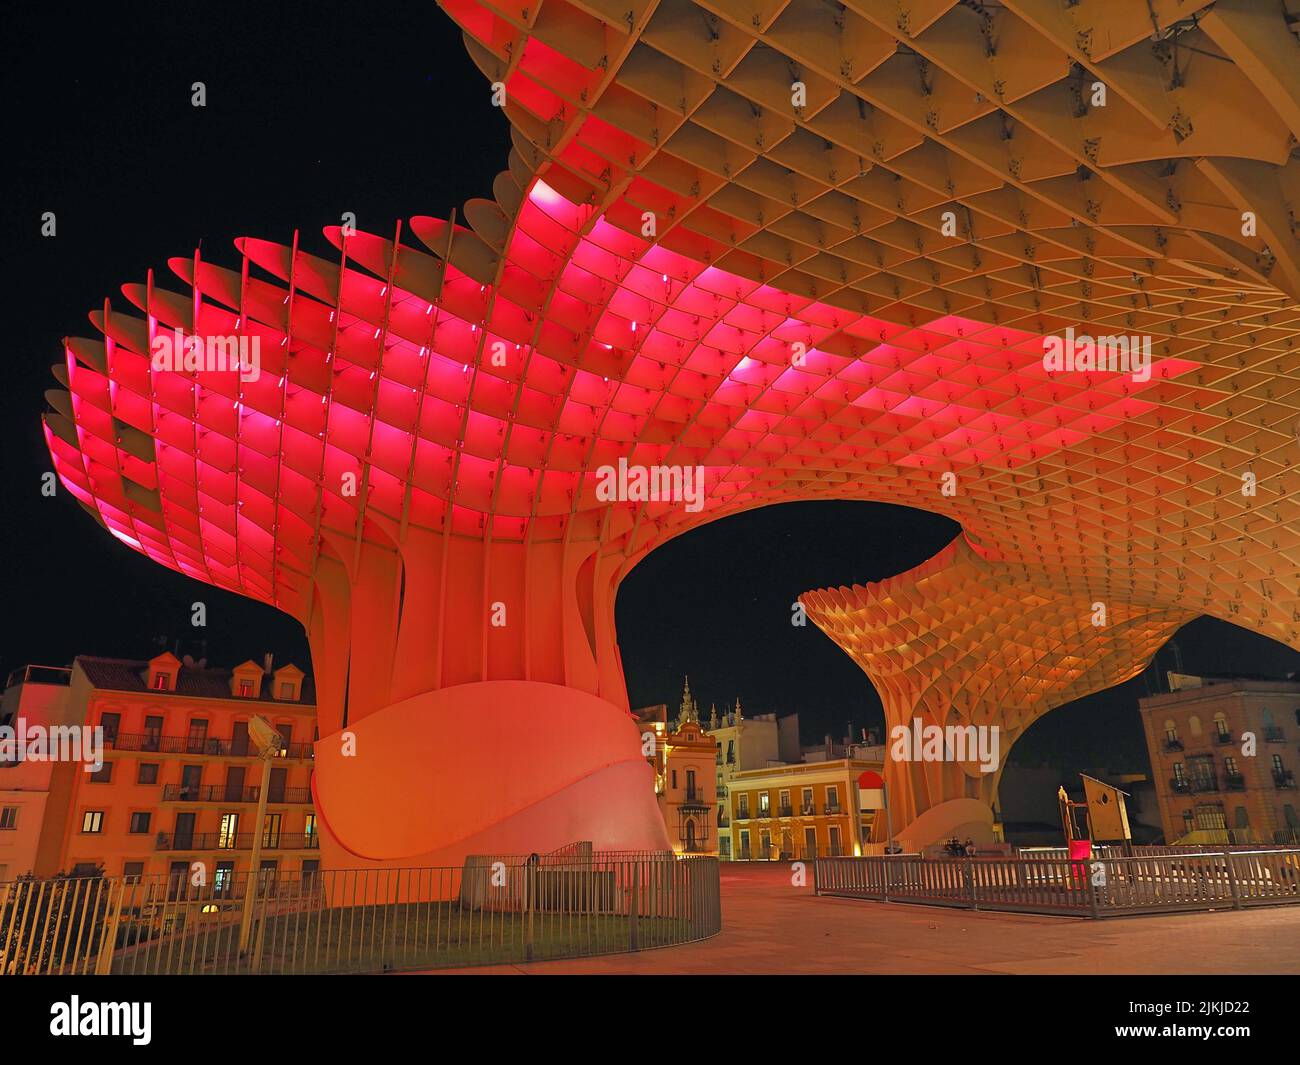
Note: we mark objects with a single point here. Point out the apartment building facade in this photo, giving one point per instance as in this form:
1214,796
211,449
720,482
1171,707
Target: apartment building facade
799,811
35,697
180,779
1224,755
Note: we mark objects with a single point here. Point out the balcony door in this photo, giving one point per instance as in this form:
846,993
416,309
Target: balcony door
275,790
227,838
178,879
235,783
1202,772
239,739
191,775
184,836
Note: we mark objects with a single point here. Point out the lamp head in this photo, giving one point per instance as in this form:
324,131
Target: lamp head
263,734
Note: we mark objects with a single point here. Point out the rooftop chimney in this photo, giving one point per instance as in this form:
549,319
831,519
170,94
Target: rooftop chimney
267,659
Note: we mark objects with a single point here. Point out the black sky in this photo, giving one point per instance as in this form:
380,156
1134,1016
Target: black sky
374,109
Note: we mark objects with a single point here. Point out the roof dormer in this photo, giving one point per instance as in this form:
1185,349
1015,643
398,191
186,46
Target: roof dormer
286,686
163,672
246,680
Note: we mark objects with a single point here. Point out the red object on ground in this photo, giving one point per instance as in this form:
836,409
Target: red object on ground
1080,850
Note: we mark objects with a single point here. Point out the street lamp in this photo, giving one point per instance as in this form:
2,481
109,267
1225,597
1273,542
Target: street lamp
269,745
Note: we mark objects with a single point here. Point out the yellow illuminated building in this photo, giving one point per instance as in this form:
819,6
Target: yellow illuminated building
683,761
806,810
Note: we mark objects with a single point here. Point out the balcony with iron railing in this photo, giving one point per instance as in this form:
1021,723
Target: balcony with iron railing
1173,744
243,841
1234,781
1180,784
1283,779
785,811
1273,734
1223,738
832,808
241,747
226,793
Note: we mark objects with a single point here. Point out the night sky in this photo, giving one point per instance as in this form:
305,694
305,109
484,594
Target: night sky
374,109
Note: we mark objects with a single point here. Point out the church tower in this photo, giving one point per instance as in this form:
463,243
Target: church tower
688,710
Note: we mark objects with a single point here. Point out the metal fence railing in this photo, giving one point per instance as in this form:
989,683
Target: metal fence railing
1118,850
1099,887
490,911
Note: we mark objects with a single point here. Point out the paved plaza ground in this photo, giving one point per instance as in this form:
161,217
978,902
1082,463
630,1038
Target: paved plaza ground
771,927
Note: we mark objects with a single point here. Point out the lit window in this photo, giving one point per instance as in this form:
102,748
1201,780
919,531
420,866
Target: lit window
162,682
8,818
246,689
92,821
